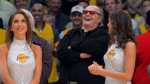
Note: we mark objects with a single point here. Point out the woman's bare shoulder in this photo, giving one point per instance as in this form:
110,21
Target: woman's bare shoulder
36,48
3,49
130,44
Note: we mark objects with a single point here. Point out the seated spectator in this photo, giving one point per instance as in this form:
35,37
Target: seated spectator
46,55
49,19
21,4
141,21
47,32
60,18
76,20
6,9
83,3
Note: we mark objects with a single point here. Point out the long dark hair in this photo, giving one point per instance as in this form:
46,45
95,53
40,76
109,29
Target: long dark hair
122,30
10,34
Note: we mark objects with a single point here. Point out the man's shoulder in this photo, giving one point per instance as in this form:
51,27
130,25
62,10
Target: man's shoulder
75,30
101,31
144,35
38,40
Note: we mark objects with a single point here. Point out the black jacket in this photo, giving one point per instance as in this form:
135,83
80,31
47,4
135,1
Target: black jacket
46,57
94,42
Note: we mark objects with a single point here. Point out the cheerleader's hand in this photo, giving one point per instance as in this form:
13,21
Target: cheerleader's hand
95,69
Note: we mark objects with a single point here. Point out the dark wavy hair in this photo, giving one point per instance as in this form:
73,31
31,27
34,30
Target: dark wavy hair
10,34
122,30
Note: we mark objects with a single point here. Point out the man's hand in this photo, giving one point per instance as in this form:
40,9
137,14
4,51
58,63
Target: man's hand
84,55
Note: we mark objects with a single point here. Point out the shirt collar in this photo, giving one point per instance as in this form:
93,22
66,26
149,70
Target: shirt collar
91,32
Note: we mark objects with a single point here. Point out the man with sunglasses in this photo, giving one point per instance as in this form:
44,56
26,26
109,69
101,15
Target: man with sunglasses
81,46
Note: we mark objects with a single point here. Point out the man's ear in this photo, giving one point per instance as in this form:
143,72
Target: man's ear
100,19
44,11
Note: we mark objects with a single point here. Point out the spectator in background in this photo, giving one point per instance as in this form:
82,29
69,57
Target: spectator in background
83,3
32,2
6,9
110,5
46,54
60,18
81,46
143,57
49,19
45,3
133,8
47,32
21,4
76,20
114,5
141,21
120,6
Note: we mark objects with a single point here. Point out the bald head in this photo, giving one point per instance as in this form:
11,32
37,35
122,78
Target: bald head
37,5
38,12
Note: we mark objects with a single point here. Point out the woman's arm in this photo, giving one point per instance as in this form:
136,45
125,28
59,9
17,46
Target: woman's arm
3,65
130,55
38,69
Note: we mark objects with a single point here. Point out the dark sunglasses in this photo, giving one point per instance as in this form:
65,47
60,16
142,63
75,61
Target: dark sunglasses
91,12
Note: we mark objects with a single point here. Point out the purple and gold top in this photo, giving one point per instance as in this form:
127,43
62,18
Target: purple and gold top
114,61
21,62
